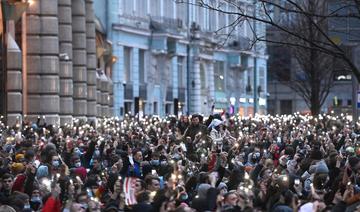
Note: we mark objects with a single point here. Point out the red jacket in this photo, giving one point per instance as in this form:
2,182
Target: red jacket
52,205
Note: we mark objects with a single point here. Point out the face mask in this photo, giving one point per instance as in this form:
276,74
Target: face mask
97,152
155,162
56,163
35,199
77,165
27,206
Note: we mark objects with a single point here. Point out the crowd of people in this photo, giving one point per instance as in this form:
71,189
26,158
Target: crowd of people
216,163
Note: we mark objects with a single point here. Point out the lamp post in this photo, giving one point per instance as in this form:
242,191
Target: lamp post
124,85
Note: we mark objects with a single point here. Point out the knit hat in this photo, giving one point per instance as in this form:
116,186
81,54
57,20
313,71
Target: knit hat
42,171
222,185
215,123
321,168
203,188
81,172
17,167
19,157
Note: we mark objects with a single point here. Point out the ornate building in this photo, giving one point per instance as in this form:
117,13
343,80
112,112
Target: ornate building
52,63
171,61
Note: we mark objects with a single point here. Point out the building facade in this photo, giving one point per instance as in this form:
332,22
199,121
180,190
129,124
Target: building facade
52,66
342,97
171,61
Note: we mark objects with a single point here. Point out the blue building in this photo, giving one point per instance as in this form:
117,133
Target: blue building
171,61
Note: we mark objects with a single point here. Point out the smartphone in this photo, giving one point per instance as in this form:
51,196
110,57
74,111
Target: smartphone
297,182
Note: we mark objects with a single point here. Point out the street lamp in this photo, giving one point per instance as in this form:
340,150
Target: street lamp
124,107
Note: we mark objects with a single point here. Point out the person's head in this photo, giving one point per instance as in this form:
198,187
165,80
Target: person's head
138,155
96,163
195,120
55,161
82,198
77,207
94,206
7,181
152,183
139,185
231,198
77,162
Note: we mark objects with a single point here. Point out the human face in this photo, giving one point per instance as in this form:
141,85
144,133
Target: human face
7,183
155,185
231,199
138,186
138,156
195,121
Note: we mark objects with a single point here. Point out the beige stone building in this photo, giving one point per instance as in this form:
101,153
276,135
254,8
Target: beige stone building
50,63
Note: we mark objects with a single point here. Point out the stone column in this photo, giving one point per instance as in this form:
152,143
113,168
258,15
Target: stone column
91,60
211,85
110,98
33,59
98,96
14,81
104,94
66,69
79,59
117,78
50,88
195,104
175,78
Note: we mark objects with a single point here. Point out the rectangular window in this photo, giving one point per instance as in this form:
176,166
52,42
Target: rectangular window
128,7
285,106
181,72
349,102
181,12
141,8
142,66
168,8
155,109
219,76
127,64
155,8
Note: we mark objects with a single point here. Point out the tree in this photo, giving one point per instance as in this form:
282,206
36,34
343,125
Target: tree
314,73
308,28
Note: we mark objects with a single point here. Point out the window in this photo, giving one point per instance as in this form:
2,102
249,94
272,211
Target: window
168,9
219,76
286,106
127,64
155,108
127,107
349,102
200,17
181,11
142,66
127,6
141,8
181,72
202,77
155,7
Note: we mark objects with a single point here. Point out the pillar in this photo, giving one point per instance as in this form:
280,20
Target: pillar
195,104
91,60
66,69
98,96
211,87
50,88
117,78
79,59
14,79
33,59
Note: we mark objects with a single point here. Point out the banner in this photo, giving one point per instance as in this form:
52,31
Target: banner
129,189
